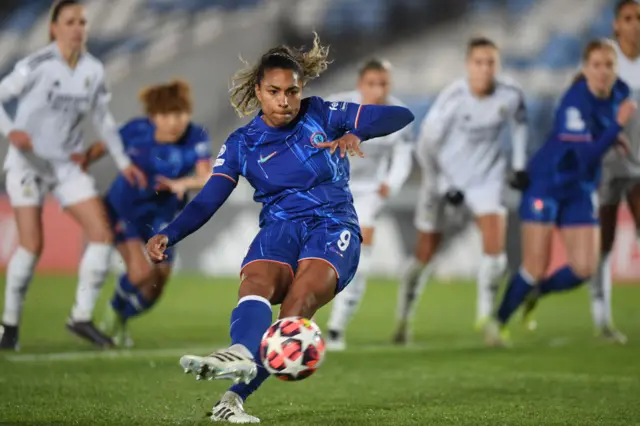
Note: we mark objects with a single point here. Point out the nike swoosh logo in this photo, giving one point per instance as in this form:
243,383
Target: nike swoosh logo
267,158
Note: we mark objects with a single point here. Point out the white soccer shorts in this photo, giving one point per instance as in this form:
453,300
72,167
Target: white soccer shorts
613,190
27,188
368,206
481,200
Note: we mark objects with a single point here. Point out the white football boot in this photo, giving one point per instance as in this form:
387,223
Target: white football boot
223,364
230,410
612,335
335,342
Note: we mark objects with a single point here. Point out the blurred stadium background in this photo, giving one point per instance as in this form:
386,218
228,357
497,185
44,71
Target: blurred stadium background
559,375
147,41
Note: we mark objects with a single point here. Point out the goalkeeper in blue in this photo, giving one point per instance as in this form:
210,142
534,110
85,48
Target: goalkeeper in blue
175,155
564,177
293,154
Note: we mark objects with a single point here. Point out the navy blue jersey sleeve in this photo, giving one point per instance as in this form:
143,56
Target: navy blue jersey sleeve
198,212
129,131
229,160
573,126
571,120
365,121
201,143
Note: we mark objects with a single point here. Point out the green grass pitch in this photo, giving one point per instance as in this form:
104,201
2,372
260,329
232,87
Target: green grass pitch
559,375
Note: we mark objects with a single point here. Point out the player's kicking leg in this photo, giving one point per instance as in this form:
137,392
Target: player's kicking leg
263,282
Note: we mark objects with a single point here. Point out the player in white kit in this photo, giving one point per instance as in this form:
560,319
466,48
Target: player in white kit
56,88
373,179
620,173
462,162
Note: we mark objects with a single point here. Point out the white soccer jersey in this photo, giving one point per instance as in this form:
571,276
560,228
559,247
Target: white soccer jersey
462,133
629,71
53,100
387,159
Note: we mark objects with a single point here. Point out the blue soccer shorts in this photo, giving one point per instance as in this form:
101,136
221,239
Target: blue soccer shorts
142,229
291,242
579,209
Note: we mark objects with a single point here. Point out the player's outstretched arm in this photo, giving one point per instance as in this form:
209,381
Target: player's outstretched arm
592,153
375,121
198,212
364,122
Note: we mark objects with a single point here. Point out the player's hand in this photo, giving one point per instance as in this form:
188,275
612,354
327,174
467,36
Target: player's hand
20,140
135,176
174,186
349,143
519,180
384,190
156,247
626,111
454,197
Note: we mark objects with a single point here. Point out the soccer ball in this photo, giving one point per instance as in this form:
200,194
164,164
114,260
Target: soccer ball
292,348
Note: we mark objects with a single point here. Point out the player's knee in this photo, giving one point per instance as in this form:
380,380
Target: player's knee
582,268
535,270
32,244
256,284
100,235
493,246
140,273
427,246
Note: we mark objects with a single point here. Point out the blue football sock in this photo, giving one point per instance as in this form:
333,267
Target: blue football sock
562,280
519,287
249,321
128,301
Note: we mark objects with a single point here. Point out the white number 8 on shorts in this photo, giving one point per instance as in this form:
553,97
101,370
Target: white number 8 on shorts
344,240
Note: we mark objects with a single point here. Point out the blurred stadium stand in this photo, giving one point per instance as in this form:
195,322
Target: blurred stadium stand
146,41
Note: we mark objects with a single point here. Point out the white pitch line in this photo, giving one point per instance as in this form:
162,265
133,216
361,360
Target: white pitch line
176,352
109,354
170,352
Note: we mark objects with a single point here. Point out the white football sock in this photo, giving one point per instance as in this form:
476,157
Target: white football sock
19,273
94,268
601,292
413,281
491,271
347,301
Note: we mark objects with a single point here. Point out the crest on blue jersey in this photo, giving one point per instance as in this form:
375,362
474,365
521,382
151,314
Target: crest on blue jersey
318,137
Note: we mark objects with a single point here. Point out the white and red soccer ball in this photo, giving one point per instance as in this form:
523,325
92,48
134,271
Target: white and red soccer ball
292,348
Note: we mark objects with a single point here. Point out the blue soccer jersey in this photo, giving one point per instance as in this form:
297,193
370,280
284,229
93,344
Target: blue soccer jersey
307,208
565,171
294,180
141,212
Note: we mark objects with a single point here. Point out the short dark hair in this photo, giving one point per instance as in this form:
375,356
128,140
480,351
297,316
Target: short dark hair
374,64
476,42
621,5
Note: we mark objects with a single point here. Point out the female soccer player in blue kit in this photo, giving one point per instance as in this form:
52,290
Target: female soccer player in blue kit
175,155
308,246
564,176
